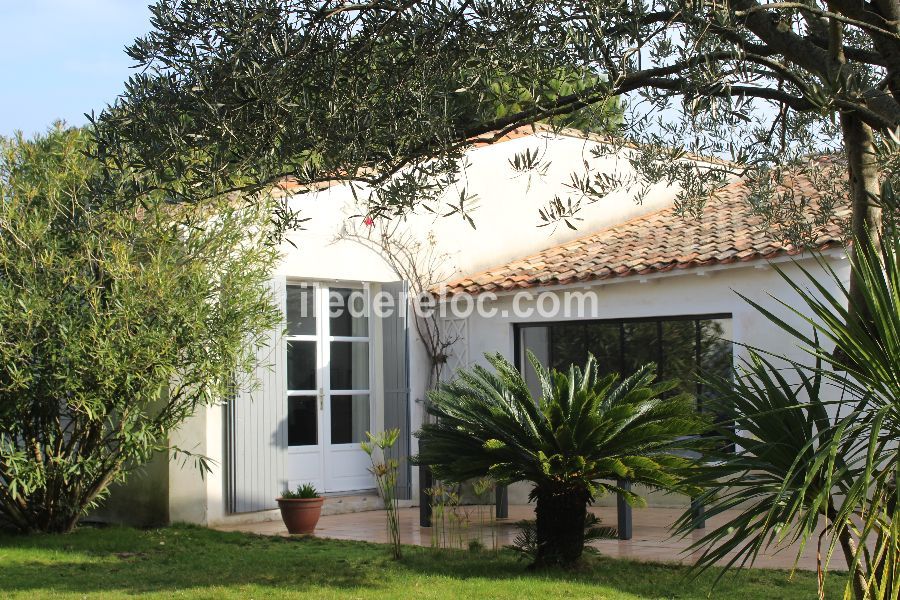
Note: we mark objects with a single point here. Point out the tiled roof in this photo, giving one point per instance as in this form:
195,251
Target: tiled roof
653,243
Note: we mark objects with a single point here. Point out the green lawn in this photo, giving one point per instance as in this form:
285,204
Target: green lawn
189,562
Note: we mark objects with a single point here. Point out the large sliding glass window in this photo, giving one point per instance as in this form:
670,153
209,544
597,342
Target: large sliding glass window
681,347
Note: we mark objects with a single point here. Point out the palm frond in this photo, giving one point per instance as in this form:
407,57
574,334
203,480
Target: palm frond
584,429
805,457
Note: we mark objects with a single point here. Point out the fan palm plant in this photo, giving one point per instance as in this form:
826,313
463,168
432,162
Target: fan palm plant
584,432
818,443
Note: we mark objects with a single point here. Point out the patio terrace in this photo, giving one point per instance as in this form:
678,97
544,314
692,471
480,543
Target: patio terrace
650,539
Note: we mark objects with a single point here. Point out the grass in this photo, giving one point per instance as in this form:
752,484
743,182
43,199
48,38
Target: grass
191,562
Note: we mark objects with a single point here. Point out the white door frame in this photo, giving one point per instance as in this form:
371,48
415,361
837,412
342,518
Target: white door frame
331,467
305,463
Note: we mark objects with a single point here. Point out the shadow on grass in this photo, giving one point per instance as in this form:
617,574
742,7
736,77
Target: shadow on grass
185,559
178,558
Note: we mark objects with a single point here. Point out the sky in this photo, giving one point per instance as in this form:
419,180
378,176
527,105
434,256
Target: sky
60,59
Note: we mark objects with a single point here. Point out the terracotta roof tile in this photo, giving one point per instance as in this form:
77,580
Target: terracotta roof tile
657,242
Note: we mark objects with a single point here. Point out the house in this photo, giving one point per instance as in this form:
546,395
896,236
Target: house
634,283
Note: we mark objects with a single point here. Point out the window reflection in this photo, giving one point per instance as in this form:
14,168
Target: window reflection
348,312
302,421
301,310
640,345
349,365
678,358
349,418
301,365
687,349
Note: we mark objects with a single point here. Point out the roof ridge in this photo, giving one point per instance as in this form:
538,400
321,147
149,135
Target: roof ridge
288,184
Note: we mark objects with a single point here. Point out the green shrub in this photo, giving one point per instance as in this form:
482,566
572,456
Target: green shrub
119,319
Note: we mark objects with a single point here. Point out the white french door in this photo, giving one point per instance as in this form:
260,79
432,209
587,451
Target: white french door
329,386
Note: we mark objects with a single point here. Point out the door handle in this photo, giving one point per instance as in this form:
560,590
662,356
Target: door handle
321,399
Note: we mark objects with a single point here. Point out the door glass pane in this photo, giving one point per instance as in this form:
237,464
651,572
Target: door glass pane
302,419
349,418
301,365
347,312
715,347
349,365
715,352
716,361
537,341
573,341
301,310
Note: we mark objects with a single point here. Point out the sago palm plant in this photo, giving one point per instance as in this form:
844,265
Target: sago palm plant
573,442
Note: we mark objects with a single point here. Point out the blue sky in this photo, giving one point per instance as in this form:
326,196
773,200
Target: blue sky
62,58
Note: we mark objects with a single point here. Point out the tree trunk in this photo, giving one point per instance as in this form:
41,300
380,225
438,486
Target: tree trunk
886,568
560,526
865,227
858,577
865,222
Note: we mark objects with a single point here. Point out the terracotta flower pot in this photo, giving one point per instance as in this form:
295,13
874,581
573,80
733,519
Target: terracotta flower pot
300,515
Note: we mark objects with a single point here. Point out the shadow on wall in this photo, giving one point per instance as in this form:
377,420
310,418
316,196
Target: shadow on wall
141,501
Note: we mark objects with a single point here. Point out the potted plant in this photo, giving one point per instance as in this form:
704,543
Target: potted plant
300,509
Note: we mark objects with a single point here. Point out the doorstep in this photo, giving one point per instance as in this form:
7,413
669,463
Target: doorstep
351,502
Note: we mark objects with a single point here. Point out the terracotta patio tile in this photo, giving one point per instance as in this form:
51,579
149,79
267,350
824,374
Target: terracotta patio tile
651,540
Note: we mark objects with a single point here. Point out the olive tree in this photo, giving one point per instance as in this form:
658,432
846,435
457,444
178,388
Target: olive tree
238,94
116,324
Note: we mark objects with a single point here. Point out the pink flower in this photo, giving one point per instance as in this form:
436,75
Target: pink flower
369,222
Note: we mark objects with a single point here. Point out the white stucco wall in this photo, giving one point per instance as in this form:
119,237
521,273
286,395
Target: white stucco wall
191,496
686,292
507,223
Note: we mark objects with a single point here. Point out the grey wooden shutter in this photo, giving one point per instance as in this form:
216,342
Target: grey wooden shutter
395,352
256,429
